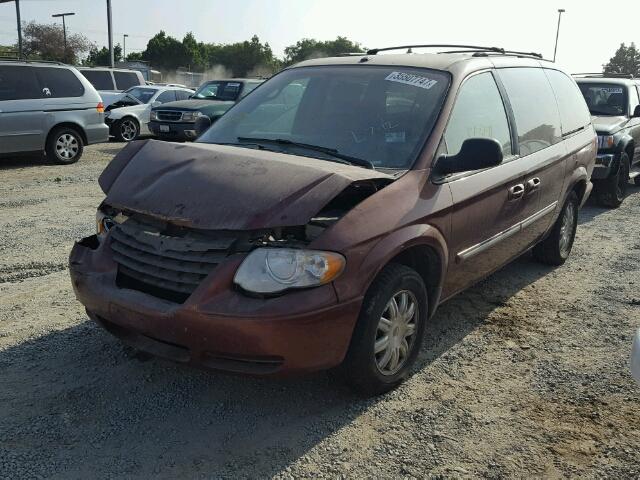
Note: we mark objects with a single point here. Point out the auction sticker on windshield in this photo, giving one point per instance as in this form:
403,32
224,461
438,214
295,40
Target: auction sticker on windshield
411,79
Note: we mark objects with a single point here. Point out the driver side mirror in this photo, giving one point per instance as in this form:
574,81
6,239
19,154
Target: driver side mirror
475,154
156,104
636,112
203,122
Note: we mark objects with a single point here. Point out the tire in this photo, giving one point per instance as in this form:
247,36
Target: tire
363,368
611,192
64,145
555,249
126,129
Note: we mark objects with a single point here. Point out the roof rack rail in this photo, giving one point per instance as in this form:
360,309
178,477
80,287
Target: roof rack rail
604,75
14,59
472,48
351,54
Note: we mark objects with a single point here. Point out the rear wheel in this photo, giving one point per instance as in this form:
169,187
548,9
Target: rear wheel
611,192
126,129
389,332
64,146
555,249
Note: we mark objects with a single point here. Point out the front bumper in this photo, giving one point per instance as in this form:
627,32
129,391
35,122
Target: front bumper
177,131
217,327
605,166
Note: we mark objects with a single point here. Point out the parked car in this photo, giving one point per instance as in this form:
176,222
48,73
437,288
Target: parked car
128,117
106,79
614,103
299,236
48,107
176,121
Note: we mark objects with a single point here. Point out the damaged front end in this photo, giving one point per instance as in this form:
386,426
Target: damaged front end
170,218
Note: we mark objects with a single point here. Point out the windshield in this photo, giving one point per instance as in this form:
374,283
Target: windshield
141,94
605,98
380,116
219,91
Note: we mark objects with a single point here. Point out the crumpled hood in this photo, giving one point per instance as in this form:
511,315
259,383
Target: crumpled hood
608,125
220,187
192,104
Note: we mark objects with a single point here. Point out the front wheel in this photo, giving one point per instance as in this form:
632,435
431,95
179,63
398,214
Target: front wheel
611,192
389,332
555,249
126,130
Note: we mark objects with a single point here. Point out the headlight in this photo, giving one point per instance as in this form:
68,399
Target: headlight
190,116
273,270
103,224
605,141
153,115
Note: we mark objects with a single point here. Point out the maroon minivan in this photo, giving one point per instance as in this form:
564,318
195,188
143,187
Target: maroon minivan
322,220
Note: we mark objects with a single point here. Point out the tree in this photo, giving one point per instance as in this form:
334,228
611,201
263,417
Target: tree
625,60
308,48
101,58
164,51
46,42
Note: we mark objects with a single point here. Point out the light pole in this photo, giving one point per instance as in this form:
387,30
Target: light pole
124,47
19,25
110,33
64,29
555,50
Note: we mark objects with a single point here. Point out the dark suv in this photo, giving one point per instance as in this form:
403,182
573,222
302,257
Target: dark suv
614,102
324,218
176,120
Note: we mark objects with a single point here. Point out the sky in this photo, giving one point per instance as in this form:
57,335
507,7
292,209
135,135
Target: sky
585,41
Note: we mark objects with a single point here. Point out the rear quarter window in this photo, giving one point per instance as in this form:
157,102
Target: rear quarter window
18,83
534,107
126,80
100,79
59,82
574,114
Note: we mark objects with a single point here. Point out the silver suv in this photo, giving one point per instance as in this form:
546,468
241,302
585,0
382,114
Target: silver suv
48,107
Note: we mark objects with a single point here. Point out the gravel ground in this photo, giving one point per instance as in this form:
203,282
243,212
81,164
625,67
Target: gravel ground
524,375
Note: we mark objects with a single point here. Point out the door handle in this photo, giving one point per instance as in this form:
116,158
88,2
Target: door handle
533,184
516,191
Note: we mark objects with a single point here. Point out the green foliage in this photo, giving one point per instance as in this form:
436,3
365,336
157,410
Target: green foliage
625,60
8,52
308,48
100,58
46,42
249,58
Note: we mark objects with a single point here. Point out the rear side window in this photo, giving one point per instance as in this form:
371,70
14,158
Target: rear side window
18,83
59,83
534,107
182,94
248,87
168,96
100,79
126,80
478,112
574,114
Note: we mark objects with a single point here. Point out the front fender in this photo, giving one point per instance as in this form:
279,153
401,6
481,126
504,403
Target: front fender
364,270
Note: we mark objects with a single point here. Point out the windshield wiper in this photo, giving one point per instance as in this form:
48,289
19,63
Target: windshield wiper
596,112
361,162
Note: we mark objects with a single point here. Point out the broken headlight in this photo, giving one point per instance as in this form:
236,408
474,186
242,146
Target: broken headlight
103,224
274,270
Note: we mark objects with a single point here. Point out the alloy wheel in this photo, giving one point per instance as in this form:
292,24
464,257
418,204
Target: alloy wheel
67,146
566,229
396,332
128,130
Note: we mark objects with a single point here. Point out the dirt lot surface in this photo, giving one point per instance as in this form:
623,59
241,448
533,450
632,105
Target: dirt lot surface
524,375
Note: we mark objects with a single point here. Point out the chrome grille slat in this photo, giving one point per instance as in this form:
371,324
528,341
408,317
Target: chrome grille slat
213,257
169,115
160,261
153,260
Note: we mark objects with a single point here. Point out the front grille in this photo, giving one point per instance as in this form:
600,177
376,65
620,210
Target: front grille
162,264
169,115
